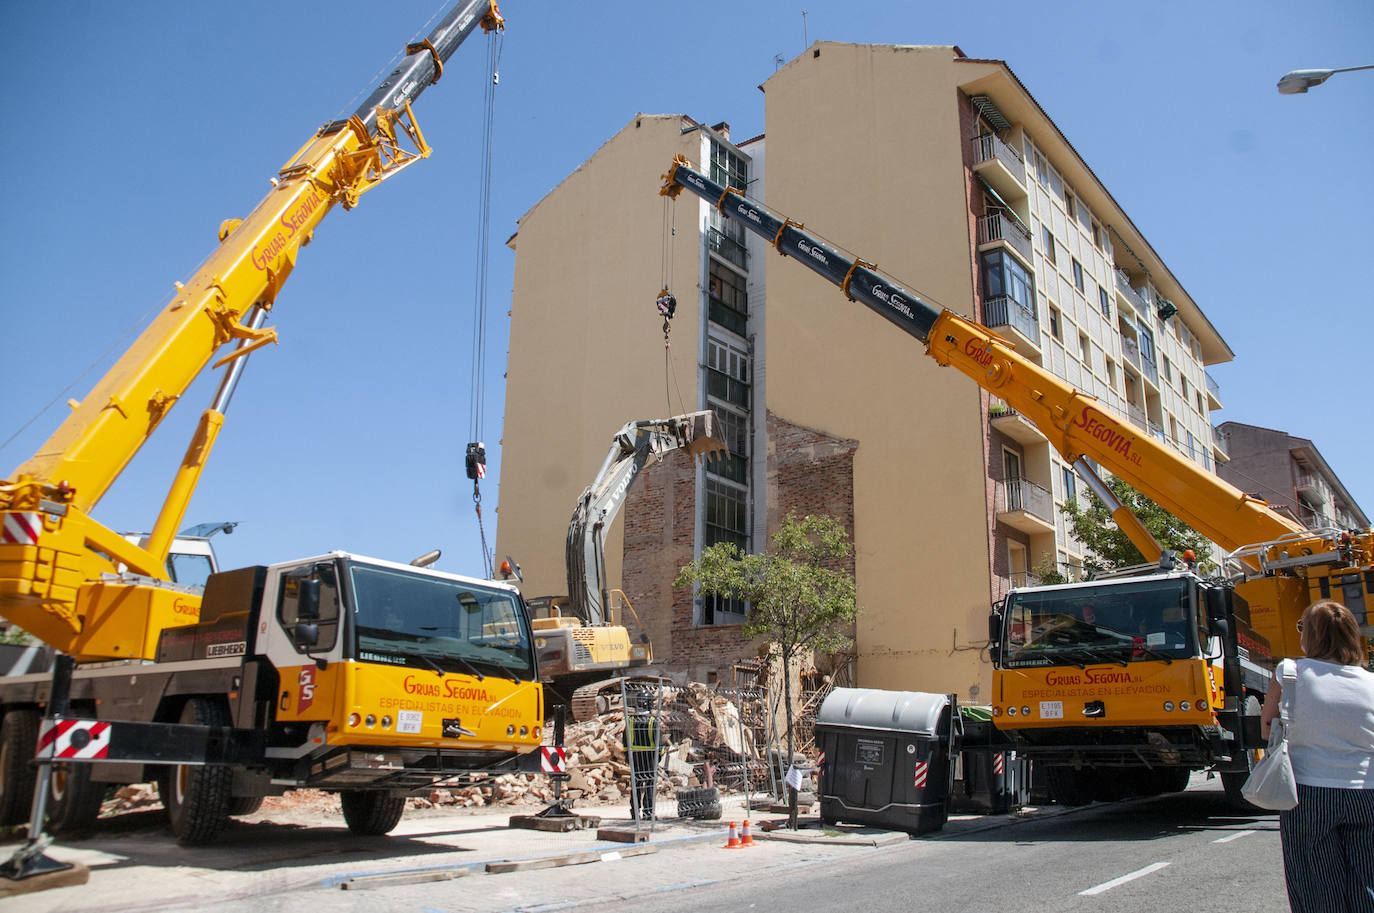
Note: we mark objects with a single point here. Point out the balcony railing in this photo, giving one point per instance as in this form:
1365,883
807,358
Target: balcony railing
998,227
728,248
989,146
1156,431
1003,311
1150,370
1020,494
1136,415
1123,285
1131,351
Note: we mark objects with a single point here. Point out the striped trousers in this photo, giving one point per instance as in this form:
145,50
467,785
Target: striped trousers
1328,850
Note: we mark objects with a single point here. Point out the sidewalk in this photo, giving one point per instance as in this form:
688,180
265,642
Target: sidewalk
138,867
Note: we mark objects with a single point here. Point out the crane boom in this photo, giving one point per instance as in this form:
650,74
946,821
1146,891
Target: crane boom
1075,422
51,551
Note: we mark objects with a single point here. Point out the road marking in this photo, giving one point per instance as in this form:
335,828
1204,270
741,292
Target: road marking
1236,836
1117,882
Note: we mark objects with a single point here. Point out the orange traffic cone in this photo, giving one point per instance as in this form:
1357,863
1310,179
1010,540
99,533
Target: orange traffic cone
745,839
733,843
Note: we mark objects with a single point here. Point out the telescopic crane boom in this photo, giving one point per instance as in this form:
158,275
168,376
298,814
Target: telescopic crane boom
52,553
1075,422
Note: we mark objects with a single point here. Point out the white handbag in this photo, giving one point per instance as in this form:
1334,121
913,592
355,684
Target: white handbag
1271,784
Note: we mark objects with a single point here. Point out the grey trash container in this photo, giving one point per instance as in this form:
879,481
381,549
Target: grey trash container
887,758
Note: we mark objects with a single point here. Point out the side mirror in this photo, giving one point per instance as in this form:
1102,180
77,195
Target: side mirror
305,634
308,599
1216,602
995,638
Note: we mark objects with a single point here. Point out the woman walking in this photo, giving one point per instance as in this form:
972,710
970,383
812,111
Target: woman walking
1328,839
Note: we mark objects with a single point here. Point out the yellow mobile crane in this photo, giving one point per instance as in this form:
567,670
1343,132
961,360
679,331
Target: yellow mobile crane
350,674
1126,684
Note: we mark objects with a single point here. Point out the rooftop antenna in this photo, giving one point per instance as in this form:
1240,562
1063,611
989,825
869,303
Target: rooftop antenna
777,62
806,43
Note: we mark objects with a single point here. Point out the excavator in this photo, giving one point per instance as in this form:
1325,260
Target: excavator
584,639
356,675
1124,684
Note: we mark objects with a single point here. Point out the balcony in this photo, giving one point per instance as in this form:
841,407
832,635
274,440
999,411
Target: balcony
1000,165
1310,487
1137,416
1003,313
728,247
1213,392
1123,288
1025,506
1013,424
998,227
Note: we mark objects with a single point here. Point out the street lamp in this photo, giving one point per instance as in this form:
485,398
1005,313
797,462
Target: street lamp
1297,82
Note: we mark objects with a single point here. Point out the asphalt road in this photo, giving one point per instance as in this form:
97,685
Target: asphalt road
1136,855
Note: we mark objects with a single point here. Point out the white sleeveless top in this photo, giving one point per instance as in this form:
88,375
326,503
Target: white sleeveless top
1331,733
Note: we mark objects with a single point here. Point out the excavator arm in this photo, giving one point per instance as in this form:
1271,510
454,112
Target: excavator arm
51,551
1079,426
634,447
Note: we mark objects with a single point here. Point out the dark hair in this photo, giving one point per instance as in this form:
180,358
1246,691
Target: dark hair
1333,634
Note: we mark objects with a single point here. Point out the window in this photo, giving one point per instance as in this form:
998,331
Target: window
728,168
1004,276
1085,351
1078,274
1055,330
734,433
1097,235
1147,344
1070,484
729,302
727,373
1201,409
1168,371
727,518
1070,209
309,598
726,238
1111,373
1104,301
1048,237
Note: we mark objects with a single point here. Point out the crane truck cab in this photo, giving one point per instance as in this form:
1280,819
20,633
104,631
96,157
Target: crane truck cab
1125,686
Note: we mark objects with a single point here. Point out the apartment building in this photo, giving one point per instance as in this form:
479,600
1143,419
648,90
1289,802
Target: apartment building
1291,474
947,173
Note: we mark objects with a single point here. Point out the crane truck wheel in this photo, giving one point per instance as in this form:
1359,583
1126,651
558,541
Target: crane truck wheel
1233,780
244,805
197,795
370,813
74,800
18,743
1072,787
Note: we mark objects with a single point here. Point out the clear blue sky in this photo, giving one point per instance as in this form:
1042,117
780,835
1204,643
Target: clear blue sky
133,129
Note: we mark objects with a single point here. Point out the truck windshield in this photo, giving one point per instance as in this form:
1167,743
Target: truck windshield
1121,621
409,619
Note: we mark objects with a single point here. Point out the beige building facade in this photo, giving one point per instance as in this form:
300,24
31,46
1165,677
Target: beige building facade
945,172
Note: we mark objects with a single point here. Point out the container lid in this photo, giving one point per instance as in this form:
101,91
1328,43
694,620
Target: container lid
897,711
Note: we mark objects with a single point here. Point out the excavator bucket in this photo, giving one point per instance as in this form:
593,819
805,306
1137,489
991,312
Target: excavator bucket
698,434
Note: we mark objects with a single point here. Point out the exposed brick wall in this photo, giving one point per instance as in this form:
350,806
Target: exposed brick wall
808,472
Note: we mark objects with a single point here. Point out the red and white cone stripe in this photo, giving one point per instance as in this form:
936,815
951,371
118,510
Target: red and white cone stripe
20,529
67,739
922,769
553,760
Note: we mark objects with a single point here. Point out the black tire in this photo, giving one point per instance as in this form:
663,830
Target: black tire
18,743
197,795
1071,787
74,800
244,805
1172,779
371,813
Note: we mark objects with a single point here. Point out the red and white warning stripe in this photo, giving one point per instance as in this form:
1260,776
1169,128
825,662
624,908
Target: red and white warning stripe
20,529
922,768
553,760
998,763
66,739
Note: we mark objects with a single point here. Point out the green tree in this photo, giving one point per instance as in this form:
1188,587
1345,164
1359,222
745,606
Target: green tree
800,598
1108,547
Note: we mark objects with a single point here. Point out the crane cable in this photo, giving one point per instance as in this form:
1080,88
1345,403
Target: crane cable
667,302
476,457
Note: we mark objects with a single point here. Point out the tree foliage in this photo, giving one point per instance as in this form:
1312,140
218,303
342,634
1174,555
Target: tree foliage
1108,548
800,598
